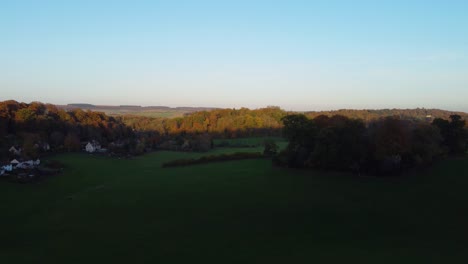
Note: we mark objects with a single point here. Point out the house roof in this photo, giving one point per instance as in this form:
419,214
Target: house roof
15,161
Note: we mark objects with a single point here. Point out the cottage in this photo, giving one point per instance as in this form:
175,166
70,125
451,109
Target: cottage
45,146
15,151
26,165
102,150
30,164
7,168
92,146
42,146
22,166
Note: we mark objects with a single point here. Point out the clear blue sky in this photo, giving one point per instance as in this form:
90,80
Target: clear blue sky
300,55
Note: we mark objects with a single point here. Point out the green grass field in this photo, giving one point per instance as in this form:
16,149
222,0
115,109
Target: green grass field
103,210
148,113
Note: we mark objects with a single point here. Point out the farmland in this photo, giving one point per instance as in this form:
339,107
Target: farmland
136,110
103,210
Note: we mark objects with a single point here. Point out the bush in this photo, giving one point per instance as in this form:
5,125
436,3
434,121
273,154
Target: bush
213,158
271,149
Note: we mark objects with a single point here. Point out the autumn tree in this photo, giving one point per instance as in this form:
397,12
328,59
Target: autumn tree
454,133
426,144
30,150
270,148
72,142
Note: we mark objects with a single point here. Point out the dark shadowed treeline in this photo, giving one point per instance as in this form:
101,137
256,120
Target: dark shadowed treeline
418,114
386,145
213,158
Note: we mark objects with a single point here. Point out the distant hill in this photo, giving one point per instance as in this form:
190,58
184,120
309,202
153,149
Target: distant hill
81,106
172,112
146,111
407,114
130,106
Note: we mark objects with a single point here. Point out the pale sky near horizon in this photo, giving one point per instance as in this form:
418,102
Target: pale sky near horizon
300,55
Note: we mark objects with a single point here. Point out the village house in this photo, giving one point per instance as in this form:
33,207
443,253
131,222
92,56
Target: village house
92,146
15,151
15,164
42,146
25,165
45,146
7,168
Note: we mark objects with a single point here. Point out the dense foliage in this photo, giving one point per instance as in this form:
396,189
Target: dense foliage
418,114
30,126
229,123
383,146
317,139
232,123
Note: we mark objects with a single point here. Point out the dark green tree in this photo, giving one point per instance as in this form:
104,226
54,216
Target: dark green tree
270,148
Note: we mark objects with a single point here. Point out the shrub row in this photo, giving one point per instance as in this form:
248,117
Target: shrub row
213,158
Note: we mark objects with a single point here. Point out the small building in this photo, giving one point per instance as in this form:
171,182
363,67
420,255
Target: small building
45,146
42,146
102,150
30,164
26,165
92,146
15,151
7,168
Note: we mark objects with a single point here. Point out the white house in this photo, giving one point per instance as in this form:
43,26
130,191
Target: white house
26,165
45,146
22,166
42,146
15,151
30,164
92,146
7,168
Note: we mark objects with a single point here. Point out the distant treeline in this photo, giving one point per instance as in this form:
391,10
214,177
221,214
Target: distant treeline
36,127
226,123
231,123
418,114
130,108
383,146
32,126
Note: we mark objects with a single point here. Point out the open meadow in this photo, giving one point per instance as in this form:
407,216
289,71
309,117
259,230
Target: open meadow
103,210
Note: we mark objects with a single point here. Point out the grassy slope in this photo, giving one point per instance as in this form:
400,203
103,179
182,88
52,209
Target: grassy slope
153,113
103,210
